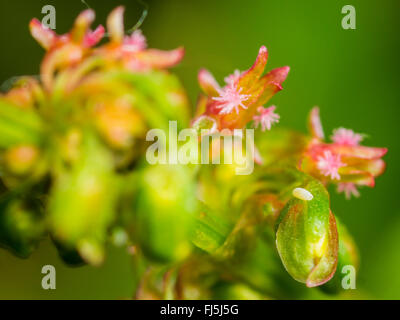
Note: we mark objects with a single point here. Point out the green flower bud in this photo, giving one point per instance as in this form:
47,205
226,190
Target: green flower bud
165,206
21,225
306,237
83,199
20,160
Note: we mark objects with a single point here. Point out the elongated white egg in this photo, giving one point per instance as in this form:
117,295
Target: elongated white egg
302,194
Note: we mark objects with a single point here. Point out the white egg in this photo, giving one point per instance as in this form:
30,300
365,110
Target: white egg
302,194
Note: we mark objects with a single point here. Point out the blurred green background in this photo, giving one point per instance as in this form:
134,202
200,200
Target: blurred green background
353,75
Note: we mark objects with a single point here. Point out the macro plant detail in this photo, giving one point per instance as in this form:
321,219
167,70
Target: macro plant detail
73,169
244,93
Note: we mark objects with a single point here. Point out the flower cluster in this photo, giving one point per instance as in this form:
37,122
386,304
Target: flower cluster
73,167
72,48
82,126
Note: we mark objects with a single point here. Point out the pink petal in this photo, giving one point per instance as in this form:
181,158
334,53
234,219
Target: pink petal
268,86
314,123
46,37
277,75
160,59
115,24
94,37
257,156
255,72
82,24
208,83
201,105
359,177
360,152
376,167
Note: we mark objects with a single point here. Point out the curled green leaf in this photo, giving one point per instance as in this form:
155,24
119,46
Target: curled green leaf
306,237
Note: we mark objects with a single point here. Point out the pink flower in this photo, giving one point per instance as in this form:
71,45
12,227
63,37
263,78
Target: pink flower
362,164
230,99
346,137
266,118
135,42
349,189
329,164
244,92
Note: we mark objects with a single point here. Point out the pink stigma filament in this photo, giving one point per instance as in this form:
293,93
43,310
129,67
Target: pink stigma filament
329,164
349,189
135,42
346,137
230,99
266,118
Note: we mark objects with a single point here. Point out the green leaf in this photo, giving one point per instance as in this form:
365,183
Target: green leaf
210,231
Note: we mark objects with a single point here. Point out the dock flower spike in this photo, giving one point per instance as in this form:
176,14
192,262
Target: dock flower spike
344,161
236,104
128,51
